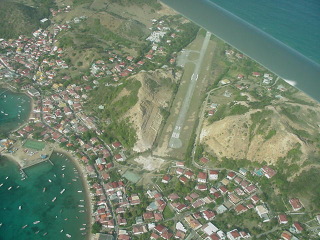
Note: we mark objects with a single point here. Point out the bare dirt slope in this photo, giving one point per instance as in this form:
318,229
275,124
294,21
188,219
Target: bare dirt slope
155,94
238,137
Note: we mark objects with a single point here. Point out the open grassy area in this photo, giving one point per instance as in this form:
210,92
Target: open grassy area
33,144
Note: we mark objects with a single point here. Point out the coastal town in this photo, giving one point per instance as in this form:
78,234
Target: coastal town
194,199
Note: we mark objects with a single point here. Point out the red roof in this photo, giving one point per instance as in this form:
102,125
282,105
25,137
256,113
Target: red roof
298,226
295,203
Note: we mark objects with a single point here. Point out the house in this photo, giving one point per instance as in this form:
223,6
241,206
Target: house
193,223
180,235
213,174
233,198
183,179
148,216
180,164
166,179
209,228
296,228
223,190
201,187
179,171
204,160
189,174
268,172
139,229
231,175
240,209
208,214
262,212
173,197
118,157
282,219
233,235
256,74
255,199
116,145
202,177
295,204
154,236
286,235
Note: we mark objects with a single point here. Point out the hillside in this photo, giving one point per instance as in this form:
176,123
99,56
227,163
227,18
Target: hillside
19,19
154,97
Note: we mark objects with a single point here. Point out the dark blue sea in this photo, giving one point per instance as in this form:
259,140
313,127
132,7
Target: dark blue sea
281,35
296,23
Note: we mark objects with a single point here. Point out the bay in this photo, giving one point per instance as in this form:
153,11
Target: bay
35,195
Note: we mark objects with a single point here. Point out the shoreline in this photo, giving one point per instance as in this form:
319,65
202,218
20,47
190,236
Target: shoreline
79,167
26,121
298,68
85,183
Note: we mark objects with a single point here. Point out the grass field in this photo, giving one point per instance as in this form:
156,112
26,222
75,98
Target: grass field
131,176
33,144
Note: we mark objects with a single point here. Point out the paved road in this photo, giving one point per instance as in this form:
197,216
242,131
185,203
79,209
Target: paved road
175,141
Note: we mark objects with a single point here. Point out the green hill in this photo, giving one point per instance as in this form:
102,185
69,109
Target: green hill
17,19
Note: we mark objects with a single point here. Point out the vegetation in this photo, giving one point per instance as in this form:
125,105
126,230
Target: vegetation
18,19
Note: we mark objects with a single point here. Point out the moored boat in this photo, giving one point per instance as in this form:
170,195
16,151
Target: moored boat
62,191
54,199
36,222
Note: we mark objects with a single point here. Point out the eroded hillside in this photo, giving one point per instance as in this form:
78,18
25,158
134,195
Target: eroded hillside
154,97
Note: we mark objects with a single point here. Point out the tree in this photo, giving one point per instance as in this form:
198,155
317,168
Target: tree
96,227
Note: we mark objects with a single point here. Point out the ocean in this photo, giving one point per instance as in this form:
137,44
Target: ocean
14,109
35,195
296,23
264,39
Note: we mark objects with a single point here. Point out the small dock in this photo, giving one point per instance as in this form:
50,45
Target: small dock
31,163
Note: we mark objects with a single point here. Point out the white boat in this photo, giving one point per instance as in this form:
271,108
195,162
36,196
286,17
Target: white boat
49,180
37,232
62,191
81,211
80,205
82,229
7,177
0,224
81,200
45,234
9,188
68,235
25,226
61,230
1,184
44,189
54,199
79,191
19,207
36,222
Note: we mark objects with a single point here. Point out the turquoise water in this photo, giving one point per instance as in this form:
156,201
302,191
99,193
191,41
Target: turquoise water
36,204
275,55
14,109
294,22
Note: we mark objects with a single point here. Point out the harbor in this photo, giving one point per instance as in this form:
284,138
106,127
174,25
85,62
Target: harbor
60,200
